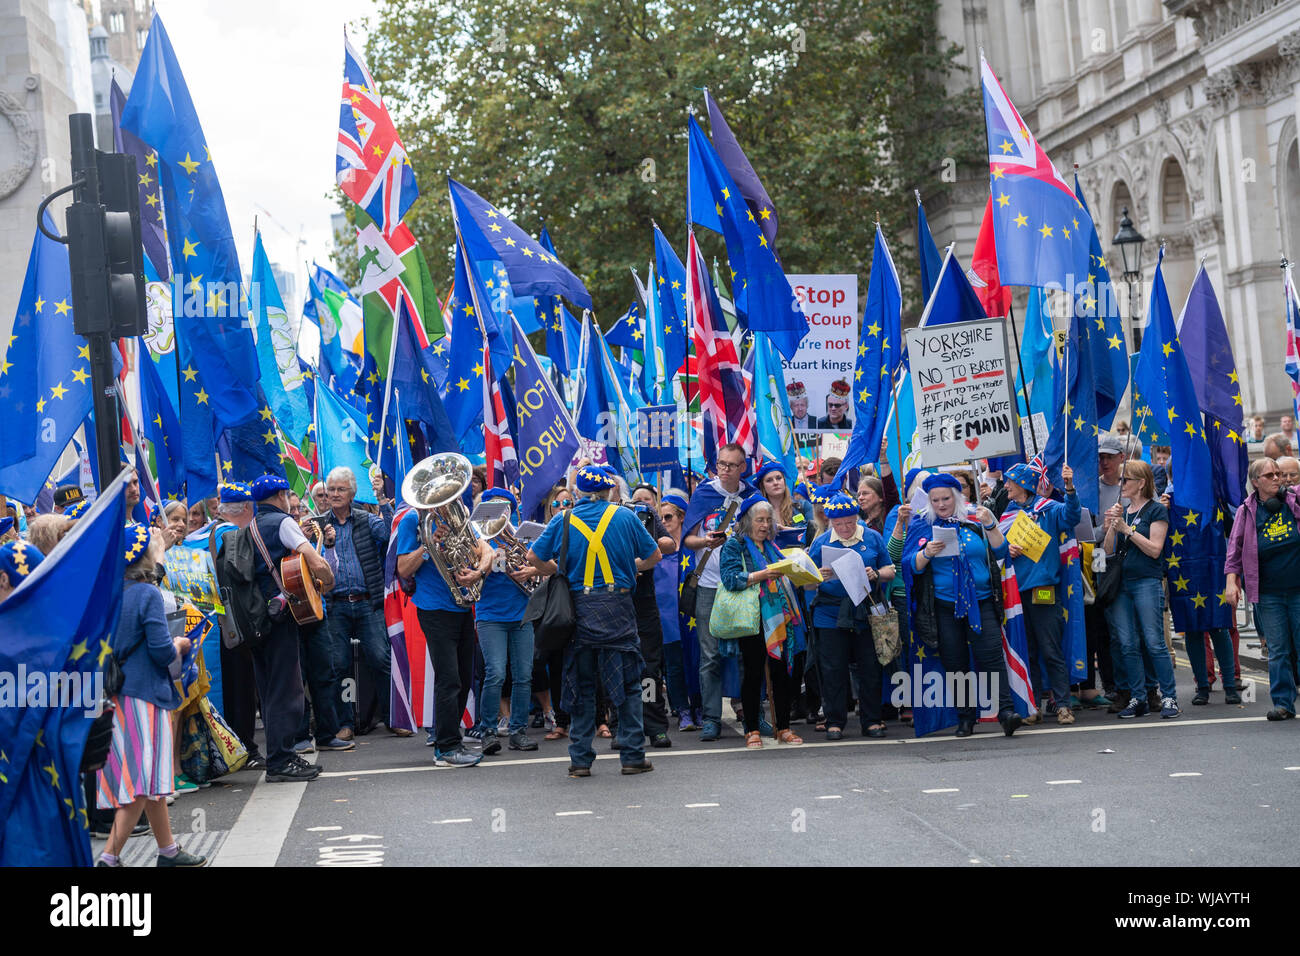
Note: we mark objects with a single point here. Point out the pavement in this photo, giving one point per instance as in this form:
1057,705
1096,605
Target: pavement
1216,787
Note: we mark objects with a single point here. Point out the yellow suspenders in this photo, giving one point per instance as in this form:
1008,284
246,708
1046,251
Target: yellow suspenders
595,548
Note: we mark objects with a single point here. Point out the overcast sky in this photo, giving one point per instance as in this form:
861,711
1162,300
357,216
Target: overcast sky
265,77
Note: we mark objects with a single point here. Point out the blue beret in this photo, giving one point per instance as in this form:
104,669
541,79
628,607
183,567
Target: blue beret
137,543
802,489
19,559
233,492
267,486
592,480
941,480
767,469
503,493
1023,475
676,500
909,478
754,499
77,510
840,506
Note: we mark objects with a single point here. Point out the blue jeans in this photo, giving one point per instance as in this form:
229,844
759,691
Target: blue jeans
501,641
1221,639
322,680
350,621
582,718
1137,621
1277,615
710,659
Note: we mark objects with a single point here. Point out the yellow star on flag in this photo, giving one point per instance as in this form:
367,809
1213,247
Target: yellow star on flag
189,165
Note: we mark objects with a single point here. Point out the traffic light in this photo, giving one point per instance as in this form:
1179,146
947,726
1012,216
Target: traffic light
119,191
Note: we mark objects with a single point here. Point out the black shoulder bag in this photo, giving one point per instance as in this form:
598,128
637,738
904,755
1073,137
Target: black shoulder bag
1106,584
550,608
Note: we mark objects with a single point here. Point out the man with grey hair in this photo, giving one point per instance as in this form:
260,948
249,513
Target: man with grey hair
1277,445
355,610
1290,469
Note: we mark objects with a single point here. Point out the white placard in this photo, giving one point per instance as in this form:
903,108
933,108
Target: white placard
1034,440
828,352
963,393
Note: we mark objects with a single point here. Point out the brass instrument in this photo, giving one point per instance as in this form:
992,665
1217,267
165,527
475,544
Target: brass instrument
434,488
495,521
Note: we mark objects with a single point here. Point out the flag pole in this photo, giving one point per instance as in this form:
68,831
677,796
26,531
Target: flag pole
1065,366
1024,384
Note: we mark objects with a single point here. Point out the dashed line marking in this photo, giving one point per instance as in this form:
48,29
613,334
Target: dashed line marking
832,796
943,790
1188,774
1057,783
322,829
456,820
1018,796
696,806
573,813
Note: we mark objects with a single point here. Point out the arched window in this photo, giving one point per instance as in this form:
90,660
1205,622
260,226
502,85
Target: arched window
117,22
1120,199
1175,207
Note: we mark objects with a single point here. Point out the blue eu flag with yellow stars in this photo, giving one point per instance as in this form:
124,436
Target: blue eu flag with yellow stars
44,373
161,428
560,325
1165,383
60,620
463,395
1104,327
670,286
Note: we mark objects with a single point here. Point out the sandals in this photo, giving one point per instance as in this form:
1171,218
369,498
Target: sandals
558,733
788,736
754,740
603,731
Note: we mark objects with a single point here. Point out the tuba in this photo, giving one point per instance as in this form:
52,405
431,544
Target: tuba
433,488
515,552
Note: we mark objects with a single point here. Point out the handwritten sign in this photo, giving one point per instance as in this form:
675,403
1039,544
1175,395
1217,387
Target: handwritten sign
1026,535
963,392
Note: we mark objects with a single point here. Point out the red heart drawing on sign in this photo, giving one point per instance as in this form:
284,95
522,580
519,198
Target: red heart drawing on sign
971,443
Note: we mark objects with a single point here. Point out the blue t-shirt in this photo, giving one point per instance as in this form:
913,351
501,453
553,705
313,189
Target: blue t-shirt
945,578
431,591
826,603
625,539
501,600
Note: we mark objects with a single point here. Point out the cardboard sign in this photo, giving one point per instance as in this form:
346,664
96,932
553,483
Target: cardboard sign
964,400
1026,535
657,437
825,356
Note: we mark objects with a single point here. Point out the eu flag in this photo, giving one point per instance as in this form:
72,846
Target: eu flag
153,235
926,251
60,620
670,286
1146,429
464,391
44,373
412,372
1041,228
1166,385
1075,404
161,428
1204,338
553,317
1195,553
737,163
1105,338
763,293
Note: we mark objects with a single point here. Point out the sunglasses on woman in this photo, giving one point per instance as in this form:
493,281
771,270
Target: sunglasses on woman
561,503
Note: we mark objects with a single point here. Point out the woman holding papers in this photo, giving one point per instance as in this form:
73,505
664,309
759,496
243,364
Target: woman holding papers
955,598
745,561
1042,579
841,612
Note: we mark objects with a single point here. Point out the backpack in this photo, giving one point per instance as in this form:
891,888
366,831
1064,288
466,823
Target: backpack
248,619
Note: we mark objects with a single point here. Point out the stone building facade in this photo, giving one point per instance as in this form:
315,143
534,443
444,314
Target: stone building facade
1185,112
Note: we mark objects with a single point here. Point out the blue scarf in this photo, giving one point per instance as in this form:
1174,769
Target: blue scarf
968,603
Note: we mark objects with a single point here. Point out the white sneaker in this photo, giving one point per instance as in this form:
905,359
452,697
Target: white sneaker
503,726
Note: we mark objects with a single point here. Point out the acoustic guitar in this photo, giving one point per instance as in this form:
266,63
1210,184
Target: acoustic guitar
302,589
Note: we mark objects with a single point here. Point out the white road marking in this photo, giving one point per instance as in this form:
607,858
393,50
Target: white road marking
1054,783
695,806
322,829
1184,774
832,796
573,813
1291,768
943,790
262,826
1018,796
456,820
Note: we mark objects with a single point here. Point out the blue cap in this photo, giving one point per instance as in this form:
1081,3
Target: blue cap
676,500
941,480
77,510
909,478
754,499
137,543
19,559
233,492
503,493
767,469
592,480
840,506
1023,475
267,486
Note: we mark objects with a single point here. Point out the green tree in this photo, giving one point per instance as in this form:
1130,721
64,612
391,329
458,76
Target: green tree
576,112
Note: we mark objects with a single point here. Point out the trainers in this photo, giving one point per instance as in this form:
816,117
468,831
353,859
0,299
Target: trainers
1137,707
255,762
1231,697
1092,703
460,757
1065,715
687,723
491,744
521,741
182,858
503,725
711,731
1169,708
183,784
660,740
1200,698
307,746
1280,713
1034,718
432,739
472,734
293,773
336,744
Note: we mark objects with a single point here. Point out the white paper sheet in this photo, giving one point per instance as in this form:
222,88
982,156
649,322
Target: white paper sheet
832,554
853,575
948,537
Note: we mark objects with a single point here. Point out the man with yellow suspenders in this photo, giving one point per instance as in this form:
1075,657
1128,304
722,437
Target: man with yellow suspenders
608,545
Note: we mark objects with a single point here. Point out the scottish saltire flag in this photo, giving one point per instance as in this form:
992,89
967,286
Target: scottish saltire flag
670,286
153,231
1292,305
720,383
277,350
204,257
1208,352
44,373
983,271
548,440
763,294
488,234
1041,229
772,408
59,620
1097,303
498,444
1074,415
1165,382
880,353
737,163
162,430
1195,552
371,165
927,252
343,440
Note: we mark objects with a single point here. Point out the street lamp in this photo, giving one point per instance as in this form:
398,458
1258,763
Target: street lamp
1130,243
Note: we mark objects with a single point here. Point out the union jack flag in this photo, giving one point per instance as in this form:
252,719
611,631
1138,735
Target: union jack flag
371,165
720,380
1292,334
498,445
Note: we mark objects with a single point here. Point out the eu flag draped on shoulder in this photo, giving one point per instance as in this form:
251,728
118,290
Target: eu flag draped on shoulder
880,353
60,619
44,373
1197,551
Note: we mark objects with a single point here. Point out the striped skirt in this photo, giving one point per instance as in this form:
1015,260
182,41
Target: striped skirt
140,761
